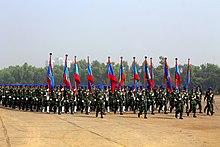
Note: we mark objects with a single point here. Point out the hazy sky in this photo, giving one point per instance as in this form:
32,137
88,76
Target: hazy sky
30,29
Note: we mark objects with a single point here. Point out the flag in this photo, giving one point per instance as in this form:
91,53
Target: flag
90,77
66,79
177,75
147,73
188,75
167,76
111,75
121,74
76,73
136,77
152,72
50,76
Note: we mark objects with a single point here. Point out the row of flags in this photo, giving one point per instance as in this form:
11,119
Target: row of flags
148,75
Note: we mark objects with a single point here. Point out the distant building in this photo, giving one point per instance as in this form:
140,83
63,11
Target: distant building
59,61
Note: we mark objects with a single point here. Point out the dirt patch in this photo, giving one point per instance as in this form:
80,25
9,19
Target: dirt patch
40,129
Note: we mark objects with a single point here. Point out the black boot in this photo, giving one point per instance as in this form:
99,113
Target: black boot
194,115
145,115
181,116
101,114
97,112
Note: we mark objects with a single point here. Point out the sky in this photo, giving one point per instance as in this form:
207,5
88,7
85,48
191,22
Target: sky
31,29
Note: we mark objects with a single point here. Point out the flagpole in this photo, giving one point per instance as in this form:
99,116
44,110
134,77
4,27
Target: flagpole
50,61
134,65
188,69
145,83
50,87
165,62
120,76
64,68
175,73
108,79
76,86
88,79
151,71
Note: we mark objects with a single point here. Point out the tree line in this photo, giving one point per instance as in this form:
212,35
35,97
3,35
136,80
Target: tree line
205,75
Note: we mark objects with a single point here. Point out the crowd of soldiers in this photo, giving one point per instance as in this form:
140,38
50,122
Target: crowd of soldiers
102,100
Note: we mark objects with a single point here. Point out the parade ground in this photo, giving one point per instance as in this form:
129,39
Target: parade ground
18,128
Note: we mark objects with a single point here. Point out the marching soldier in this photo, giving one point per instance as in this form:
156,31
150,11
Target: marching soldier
38,99
71,102
209,97
173,99
193,103
137,99
100,102
107,101
75,101
55,100
186,99
121,98
88,101
66,100
151,100
180,104
199,98
115,100
143,104
60,95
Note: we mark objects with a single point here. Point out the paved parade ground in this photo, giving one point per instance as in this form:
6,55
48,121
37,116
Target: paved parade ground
20,128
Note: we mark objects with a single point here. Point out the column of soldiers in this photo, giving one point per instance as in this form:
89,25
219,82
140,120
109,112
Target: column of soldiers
102,100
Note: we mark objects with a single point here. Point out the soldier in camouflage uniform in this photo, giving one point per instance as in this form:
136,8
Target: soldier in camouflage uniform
137,99
164,99
115,101
1,93
107,101
143,104
180,104
38,99
199,98
14,97
71,102
209,97
66,100
186,99
88,101
100,102
121,98
151,100
173,99
193,103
